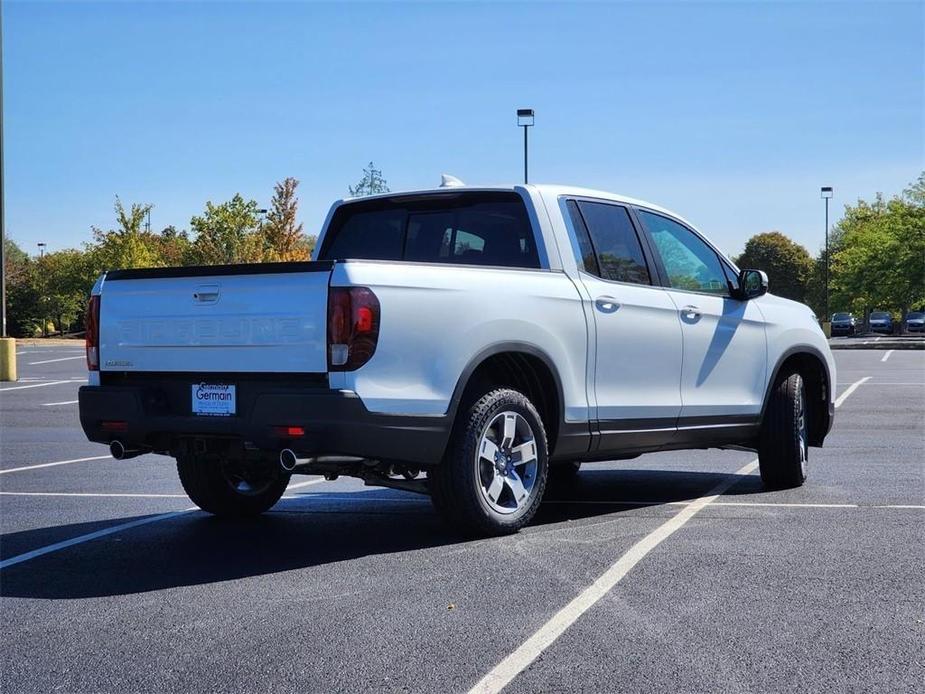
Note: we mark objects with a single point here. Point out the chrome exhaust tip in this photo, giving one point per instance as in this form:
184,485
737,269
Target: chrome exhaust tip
288,459
118,451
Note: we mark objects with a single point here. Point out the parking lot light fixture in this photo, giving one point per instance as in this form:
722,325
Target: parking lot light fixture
826,192
525,120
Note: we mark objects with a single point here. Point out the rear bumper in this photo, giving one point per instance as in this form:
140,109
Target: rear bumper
335,423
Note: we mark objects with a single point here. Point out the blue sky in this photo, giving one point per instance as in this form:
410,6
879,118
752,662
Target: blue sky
731,114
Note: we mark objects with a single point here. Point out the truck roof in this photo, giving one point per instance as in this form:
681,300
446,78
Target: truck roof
543,188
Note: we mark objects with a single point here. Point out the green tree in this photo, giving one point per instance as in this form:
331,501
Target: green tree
173,246
128,245
282,234
22,314
372,183
63,280
878,259
789,266
227,233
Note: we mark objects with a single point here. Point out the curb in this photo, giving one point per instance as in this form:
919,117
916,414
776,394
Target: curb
919,344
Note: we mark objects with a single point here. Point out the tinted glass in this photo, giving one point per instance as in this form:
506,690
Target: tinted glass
373,234
616,246
915,316
879,314
690,263
841,316
468,228
586,258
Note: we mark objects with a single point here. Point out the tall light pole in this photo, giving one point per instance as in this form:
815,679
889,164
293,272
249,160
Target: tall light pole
525,120
2,203
826,193
41,246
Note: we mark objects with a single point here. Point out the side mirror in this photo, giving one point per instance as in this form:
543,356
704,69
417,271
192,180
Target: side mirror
752,283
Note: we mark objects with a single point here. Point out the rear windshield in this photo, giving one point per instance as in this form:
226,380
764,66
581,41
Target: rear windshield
461,228
841,316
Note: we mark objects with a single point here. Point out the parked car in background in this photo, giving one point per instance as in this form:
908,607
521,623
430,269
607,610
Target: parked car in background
881,322
915,322
844,324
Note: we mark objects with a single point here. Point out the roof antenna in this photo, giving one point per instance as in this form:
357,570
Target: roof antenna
447,181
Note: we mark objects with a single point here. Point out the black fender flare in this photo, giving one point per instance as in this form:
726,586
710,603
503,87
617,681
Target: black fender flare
501,348
775,373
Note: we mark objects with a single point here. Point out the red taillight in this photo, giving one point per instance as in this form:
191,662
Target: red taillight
115,425
353,327
288,431
92,326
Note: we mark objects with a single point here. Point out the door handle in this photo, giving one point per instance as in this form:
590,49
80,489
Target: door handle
692,311
606,304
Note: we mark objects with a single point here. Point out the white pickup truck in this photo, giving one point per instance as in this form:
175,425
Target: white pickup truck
463,342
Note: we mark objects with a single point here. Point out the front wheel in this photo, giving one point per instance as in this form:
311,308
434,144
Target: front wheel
783,450
231,487
493,475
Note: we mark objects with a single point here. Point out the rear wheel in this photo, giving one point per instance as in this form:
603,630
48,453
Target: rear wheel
493,475
783,451
231,487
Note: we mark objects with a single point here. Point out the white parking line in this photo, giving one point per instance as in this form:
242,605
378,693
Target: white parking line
751,504
52,361
849,390
59,462
31,379
520,659
97,494
66,402
305,484
80,539
34,385
887,355
48,549
546,635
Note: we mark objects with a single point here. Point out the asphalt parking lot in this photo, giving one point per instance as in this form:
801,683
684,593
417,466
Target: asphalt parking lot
110,583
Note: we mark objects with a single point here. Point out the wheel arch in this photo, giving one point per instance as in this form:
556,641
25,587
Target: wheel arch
520,366
810,363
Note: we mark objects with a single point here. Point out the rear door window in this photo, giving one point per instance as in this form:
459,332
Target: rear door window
489,228
608,242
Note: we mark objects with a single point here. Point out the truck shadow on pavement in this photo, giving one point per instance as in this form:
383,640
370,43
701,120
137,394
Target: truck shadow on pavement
303,531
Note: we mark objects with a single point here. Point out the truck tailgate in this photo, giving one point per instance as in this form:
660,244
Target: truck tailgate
242,319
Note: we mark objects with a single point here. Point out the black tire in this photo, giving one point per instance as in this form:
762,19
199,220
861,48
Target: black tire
461,485
229,488
783,450
564,473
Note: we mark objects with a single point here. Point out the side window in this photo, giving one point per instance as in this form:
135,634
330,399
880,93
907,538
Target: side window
690,263
616,245
587,259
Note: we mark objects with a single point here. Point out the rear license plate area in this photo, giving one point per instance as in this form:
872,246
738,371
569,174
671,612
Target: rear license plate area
214,400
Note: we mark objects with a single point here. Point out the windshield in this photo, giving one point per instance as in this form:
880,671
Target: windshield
916,315
877,315
842,316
